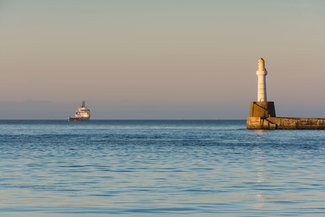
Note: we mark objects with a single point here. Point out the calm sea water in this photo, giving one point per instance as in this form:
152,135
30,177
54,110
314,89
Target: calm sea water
159,168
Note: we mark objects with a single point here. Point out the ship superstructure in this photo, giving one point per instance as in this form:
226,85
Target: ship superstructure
82,113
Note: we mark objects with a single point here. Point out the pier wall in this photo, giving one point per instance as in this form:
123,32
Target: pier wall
262,116
285,123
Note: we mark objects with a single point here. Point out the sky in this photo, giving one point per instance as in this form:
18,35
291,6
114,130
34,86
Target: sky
151,59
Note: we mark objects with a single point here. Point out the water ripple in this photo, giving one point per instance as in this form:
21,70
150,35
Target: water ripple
159,168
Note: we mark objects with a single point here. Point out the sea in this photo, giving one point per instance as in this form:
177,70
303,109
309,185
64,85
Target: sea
159,168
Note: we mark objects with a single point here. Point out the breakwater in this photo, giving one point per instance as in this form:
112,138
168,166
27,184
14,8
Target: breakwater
285,123
262,116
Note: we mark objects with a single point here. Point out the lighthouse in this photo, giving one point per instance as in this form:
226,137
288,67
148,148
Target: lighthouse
262,112
261,108
261,81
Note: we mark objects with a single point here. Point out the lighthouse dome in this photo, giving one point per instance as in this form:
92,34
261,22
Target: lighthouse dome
261,64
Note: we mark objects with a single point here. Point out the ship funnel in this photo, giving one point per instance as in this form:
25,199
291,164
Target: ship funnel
83,104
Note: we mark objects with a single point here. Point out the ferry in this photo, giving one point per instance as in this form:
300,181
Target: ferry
82,113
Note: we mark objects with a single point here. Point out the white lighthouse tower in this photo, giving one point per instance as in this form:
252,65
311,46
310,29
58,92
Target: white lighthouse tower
261,81
261,108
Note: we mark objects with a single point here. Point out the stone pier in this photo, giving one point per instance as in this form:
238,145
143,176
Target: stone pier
262,116
285,123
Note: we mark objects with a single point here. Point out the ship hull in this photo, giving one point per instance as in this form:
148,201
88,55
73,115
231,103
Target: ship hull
75,119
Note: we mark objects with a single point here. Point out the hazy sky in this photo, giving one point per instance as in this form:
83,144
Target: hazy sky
159,59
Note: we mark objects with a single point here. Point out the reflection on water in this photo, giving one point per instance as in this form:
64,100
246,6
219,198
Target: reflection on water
260,176
260,132
159,168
